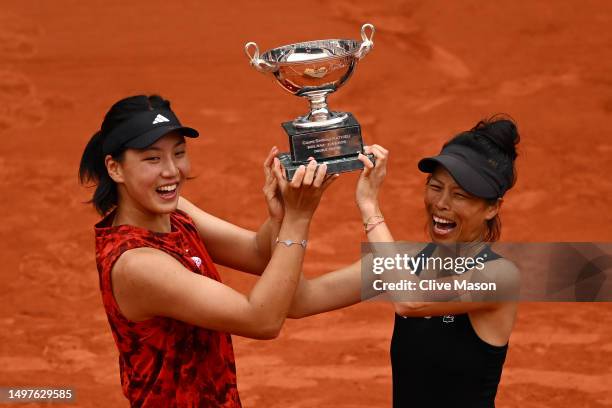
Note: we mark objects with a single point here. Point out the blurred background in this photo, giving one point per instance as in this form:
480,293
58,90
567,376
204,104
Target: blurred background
436,69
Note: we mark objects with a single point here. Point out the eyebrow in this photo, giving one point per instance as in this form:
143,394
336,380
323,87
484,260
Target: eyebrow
146,149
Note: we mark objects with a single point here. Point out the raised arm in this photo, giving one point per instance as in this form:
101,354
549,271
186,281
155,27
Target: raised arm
230,245
148,282
237,247
343,287
503,271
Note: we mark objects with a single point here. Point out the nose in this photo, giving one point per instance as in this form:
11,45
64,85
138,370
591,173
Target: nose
442,201
170,169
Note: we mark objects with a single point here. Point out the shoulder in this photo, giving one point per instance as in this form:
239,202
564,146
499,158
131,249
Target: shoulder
144,256
145,281
143,264
111,242
505,275
501,267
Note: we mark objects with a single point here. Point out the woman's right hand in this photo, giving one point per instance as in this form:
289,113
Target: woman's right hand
372,177
302,194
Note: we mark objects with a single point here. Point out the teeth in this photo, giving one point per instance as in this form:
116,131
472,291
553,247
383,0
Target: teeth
171,187
442,220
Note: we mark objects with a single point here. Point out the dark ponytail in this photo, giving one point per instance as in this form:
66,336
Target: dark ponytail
500,131
92,168
495,138
498,137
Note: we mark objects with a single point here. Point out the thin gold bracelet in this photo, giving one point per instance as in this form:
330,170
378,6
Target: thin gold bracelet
367,222
369,227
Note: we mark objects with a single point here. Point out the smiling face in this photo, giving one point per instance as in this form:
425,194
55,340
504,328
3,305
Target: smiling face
454,215
150,180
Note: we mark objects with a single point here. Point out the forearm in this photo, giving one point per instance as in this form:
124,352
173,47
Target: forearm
265,240
331,291
274,291
376,229
340,288
383,245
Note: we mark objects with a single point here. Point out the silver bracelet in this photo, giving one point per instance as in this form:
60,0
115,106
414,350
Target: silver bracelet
289,242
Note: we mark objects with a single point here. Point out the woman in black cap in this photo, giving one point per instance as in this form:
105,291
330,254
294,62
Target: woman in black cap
442,353
169,313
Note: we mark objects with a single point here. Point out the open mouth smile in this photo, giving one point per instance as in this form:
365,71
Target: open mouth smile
168,191
442,226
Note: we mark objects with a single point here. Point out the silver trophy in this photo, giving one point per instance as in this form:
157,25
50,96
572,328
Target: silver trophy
314,69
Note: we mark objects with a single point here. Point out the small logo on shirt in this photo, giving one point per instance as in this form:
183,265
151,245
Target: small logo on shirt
448,319
197,261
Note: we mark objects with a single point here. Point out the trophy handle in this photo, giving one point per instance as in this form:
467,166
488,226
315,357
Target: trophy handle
256,62
367,41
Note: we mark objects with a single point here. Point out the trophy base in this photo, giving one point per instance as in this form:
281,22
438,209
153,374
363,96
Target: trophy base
337,146
330,142
334,166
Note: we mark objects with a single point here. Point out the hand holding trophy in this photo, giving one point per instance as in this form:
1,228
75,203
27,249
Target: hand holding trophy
312,70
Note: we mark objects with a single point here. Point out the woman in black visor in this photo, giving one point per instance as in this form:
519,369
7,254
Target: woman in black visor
443,353
170,315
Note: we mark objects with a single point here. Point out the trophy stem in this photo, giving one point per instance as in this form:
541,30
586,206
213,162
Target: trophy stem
319,115
318,107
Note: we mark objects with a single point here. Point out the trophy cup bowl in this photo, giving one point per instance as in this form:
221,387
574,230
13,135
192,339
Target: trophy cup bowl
314,69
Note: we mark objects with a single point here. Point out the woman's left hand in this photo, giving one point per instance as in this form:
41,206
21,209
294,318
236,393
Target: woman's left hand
371,178
271,190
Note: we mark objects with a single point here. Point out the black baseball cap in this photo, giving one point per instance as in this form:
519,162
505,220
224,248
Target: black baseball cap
144,129
470,169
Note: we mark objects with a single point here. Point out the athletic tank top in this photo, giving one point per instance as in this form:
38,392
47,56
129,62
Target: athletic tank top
165,362
440,361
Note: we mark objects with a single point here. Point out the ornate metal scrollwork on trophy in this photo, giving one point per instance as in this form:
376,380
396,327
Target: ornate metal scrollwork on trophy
312,70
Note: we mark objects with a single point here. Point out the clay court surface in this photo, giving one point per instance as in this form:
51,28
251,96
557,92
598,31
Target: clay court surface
437,67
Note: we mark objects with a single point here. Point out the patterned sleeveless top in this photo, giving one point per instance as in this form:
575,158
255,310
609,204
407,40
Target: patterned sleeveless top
164,362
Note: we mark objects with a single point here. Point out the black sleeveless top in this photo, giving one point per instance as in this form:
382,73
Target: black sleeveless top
441,362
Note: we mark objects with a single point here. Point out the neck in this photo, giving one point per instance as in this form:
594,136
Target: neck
128,214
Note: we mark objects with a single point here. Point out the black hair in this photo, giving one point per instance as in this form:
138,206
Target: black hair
92,168
495,138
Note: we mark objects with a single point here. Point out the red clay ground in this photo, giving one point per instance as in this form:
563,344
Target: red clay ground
436,69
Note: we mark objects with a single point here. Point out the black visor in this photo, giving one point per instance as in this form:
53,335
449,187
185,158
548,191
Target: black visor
144,129
471,171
